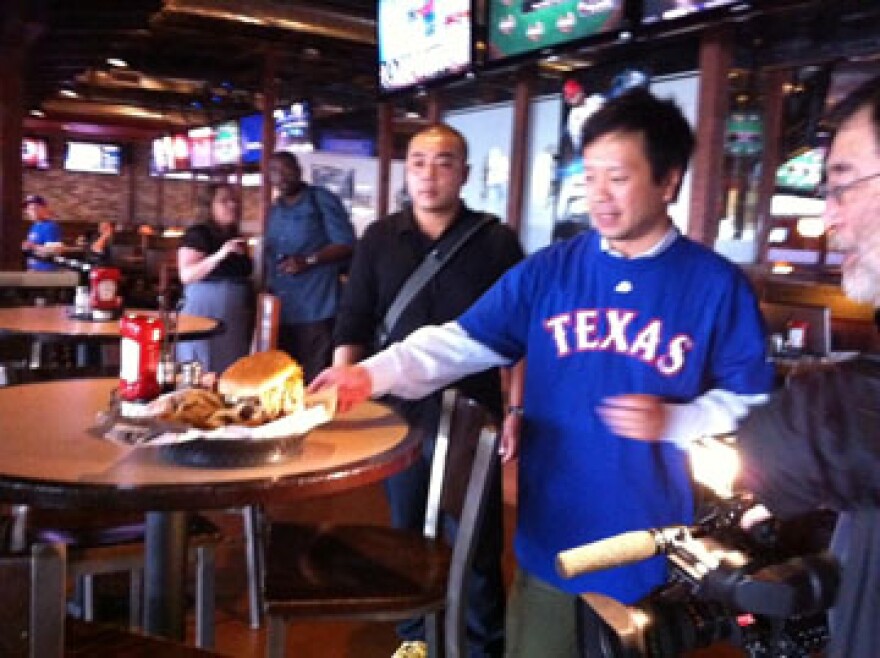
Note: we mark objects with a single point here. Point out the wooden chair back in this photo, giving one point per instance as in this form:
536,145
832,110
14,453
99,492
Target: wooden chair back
464,469
266,321
381,573
32,616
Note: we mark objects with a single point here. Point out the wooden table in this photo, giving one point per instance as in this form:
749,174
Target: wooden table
52,322
48,458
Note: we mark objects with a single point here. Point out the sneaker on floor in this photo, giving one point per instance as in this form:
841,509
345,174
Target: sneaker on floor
411,649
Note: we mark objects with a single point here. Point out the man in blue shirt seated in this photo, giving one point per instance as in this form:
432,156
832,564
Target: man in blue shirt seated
44,231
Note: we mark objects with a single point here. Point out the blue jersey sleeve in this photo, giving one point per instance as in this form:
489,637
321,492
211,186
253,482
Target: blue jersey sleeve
500,318
739,353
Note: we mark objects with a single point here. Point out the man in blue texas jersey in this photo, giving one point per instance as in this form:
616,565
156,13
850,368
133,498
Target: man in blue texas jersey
630,330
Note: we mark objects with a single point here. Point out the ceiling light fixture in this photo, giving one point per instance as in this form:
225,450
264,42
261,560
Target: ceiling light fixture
68,93
117,62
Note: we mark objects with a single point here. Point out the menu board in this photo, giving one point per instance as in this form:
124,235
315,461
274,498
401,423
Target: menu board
517,27
422,40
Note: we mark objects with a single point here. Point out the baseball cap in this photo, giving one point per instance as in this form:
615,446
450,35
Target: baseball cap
571,88
33,198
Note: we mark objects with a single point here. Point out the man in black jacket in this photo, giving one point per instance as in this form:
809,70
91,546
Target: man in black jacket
390,250
817,443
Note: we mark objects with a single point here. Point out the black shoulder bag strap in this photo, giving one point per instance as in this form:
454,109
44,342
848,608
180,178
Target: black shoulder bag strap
433,263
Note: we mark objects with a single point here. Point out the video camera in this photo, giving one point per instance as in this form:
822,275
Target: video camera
738,575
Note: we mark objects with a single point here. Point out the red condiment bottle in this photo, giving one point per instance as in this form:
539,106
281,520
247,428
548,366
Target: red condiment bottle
104,297
140,353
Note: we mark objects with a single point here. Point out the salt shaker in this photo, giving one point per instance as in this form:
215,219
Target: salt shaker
190,374
166,373
81,304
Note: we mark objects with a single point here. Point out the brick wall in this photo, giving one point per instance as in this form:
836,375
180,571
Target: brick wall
134,197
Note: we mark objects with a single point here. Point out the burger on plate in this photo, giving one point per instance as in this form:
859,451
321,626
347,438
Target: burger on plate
263,386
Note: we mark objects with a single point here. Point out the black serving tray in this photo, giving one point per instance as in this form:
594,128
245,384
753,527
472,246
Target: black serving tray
232,453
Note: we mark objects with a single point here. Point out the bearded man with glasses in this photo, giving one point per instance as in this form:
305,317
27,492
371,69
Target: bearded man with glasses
817,443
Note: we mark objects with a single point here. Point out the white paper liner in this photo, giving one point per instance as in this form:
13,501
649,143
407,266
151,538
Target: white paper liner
319,409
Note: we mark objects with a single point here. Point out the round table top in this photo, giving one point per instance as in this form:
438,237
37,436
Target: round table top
54,322
48,457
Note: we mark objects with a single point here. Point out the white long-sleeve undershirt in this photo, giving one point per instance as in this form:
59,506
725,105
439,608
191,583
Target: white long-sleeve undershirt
435,356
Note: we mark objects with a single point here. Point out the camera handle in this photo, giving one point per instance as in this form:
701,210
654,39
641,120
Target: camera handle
617,551
802,585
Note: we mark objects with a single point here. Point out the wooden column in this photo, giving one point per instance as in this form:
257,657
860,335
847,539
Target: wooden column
12,229
707,186
270,98
774,101
385,151
434,113
519,150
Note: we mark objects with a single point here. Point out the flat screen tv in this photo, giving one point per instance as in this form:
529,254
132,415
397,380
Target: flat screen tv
519,27
34,153
162,157
227,143
92,157
201,147
251,130
657,11
170,153
802,173
293,128
422,41
346,143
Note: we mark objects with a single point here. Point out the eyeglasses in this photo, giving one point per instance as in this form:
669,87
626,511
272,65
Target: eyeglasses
836,192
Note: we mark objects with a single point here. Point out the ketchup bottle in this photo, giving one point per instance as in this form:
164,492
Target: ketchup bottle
140,352
104,291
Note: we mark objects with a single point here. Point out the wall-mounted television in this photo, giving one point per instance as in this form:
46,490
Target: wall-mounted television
293,128
251,130
92,157
34,153
421,41
657,11
519,27
227,143
346,142
201,147
802,173
170,153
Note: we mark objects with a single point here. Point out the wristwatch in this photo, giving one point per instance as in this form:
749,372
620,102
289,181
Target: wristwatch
312,259
515,409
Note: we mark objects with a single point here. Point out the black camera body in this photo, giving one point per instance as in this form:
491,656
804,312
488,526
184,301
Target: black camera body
765,589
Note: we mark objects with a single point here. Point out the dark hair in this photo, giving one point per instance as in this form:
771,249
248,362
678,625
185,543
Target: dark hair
669,140
287,157
449,130
206,199
866,95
